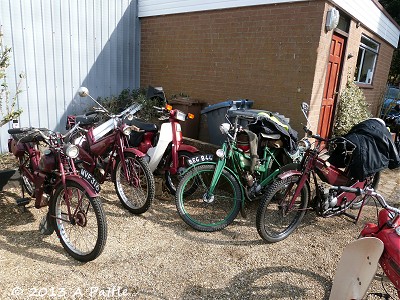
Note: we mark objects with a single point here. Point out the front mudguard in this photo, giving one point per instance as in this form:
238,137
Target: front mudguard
188,148
82,182
134,151
356,269
293,169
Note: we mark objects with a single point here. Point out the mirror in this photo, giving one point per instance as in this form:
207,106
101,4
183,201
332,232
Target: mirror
83,91
305,108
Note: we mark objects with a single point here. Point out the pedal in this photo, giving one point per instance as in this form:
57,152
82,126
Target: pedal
353,217
23,201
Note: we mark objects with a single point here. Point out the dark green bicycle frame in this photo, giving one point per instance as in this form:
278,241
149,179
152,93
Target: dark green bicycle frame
234,157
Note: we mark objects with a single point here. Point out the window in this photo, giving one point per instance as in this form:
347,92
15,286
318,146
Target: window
366,60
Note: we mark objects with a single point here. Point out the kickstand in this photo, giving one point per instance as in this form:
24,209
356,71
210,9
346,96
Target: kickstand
243,211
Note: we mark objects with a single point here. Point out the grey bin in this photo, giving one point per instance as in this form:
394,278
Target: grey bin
216,115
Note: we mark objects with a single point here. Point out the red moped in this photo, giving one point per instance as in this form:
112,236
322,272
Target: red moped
165,151
379,243
105,152
74,211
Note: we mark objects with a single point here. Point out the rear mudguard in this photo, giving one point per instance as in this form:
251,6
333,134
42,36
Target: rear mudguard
82,182
189,148
356,269
226,168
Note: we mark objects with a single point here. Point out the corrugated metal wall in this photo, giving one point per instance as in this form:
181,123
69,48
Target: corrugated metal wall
63,44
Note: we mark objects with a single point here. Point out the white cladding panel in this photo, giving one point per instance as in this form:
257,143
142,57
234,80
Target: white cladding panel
363,10
372,17
164,7
63,44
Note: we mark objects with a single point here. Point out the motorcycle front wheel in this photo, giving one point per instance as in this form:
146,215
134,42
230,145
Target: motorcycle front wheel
371,183
275,220
202,210
137,194
172,181
83,235
28,185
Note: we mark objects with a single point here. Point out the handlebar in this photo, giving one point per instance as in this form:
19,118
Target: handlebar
368,192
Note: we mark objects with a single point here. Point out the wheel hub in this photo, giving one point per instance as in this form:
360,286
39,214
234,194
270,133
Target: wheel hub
80,219
208,198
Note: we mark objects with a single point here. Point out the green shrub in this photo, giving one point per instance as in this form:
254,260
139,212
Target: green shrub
352,109
8,111
126,98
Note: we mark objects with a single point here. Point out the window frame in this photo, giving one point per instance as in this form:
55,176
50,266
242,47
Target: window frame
364,48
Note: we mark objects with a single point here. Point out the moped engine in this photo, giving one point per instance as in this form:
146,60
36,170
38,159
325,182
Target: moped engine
324,200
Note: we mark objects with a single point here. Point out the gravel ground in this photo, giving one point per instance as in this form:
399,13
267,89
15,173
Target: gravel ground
157,256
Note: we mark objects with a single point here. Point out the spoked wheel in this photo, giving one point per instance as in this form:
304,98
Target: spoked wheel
83,235
172,181
371,182
137,194
28,185
275,220
205,211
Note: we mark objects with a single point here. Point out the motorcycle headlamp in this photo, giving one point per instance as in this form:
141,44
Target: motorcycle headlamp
220,153
304,144
127,130
224,127
180,115
71,151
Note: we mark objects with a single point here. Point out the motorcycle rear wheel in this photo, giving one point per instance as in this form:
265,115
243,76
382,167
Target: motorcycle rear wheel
205,212
137,196
274,222
83,237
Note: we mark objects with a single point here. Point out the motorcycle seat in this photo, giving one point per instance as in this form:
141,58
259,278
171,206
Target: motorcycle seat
86,120
144,126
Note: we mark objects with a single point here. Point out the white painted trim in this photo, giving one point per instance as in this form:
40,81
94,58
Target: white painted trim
371,17
149,8
364,11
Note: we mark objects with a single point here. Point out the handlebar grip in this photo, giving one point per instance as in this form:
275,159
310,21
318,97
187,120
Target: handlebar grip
357,191
19,130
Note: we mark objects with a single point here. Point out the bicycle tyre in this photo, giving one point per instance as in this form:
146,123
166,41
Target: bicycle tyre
70,232
138,202
277,228
219,211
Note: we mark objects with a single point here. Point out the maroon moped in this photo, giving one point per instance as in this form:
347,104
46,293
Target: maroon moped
287,199
104,151
48,174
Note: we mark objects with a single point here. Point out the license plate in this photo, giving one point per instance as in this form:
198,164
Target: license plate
90,179
200,158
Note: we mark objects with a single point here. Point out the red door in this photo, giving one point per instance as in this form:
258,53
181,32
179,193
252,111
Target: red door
331,86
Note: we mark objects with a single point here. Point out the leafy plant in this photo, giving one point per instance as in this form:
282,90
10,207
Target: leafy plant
7,104
127,97
352,109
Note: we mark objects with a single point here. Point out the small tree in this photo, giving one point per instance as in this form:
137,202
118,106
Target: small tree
7,103
352,109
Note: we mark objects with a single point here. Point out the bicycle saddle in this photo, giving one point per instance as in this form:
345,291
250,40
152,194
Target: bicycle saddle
143,126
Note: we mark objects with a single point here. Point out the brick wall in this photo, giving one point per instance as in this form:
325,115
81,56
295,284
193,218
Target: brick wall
264,53
373,93
275,55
